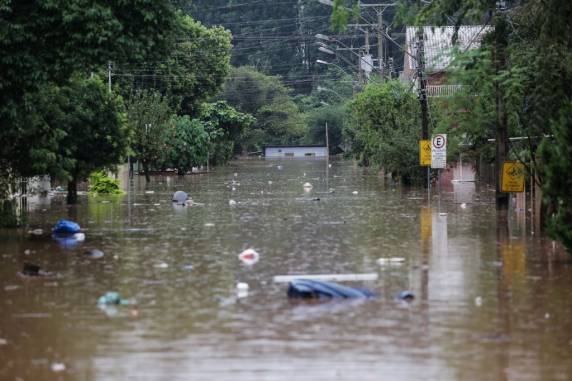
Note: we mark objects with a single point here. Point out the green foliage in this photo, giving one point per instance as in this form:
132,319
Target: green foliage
225,127
100,183
557,183
384,129
187,144
316,120
193,71
148,114
278,119
43,44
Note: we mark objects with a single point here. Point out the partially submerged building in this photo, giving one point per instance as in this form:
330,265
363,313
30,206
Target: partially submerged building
296,152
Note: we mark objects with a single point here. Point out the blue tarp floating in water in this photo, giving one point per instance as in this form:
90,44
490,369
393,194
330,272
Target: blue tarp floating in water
66,227
306,288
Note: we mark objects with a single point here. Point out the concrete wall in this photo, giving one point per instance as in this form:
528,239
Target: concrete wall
295,152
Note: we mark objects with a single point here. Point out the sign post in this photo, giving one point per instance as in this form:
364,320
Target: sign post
512,177
439,151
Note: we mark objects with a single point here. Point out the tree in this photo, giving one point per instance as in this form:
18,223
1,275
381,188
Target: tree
187,144
557,166
148,114
278,120
383,129
94,131
46,41
334,116
225,127
193,71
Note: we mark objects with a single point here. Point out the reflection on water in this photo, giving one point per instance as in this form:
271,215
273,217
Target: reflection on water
492,302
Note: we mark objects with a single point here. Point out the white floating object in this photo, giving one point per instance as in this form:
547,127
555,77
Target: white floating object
209,224
326,277
279,167
478,301
241,286
249,256
443,214
161,265
329,165
235,174
231,202
157,204
308,185
269,182
392,260
37,232
58,367
233,189
463,206
355,192
149,192
80,237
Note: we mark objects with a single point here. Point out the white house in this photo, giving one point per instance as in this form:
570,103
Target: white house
296,152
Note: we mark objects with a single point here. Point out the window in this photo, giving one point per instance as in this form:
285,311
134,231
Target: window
310,154
289,154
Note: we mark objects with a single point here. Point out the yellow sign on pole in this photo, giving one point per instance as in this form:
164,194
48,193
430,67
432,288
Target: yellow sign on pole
512,177
425,153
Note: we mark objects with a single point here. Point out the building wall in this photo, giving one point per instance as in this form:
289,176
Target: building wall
295,152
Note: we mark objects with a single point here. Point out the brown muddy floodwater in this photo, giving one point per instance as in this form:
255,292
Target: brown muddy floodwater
491,303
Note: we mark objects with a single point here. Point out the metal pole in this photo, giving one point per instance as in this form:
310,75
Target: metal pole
109,76
380,55
327,141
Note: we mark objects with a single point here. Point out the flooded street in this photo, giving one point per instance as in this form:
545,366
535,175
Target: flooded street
492,303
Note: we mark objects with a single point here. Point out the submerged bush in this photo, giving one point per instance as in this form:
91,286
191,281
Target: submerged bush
100,183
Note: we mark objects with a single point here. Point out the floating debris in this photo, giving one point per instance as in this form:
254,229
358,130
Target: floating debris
180,197
232,202
94,254
112,297
249,257
478,301
242,290
36,232
406,295
308,186
314,289
161,265
58,367
149,192
66,227
31,269
392,260
355,192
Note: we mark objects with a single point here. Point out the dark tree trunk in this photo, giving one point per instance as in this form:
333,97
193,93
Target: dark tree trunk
500,45
146,170
72,191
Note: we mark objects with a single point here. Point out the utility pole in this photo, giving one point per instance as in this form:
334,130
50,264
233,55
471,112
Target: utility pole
109,76
422,84
423,95
327,140
380,54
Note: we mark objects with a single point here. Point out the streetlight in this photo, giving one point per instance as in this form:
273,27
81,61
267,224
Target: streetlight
326,50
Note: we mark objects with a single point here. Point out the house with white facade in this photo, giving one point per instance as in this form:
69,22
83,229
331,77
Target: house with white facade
296,152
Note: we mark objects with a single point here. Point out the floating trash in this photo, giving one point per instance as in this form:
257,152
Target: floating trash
112,297
209,225
463,206
36,232
269,182
58,367
149,192
279,167
188,267
249,256
307,186
392,260
327,277
31,269
66,227
94,254
478,301
68,241
314,289
180,197
161,265
3,341
242,290
443,214
406,295
235,174
232,202
355,192
79,237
